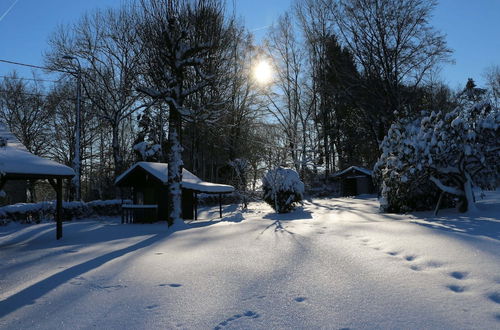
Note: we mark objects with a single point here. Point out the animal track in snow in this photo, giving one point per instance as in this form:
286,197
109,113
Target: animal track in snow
495,297
410,257
172,285
456,288
459,275
150,307
300,299
228,321
393,253
415,268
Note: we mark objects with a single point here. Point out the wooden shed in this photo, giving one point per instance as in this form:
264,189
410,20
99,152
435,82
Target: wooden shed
355,180
148,181
18,164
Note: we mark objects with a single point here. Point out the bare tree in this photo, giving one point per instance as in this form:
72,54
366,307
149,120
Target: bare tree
105,43
178,40
394,47
23,109
286,102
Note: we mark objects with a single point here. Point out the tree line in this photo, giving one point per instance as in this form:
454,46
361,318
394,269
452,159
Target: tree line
171,81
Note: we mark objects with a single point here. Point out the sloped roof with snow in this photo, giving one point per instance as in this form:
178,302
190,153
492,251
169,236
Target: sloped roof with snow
353,168
189,180
17,161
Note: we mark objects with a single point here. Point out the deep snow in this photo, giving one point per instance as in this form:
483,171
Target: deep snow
335,263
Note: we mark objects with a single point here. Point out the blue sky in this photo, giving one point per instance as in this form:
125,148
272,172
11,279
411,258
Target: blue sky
472,29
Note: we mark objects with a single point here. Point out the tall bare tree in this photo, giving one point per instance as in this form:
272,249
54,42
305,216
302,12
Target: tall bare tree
394,47
105,44
179,38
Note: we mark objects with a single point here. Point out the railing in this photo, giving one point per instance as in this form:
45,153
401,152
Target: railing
133,213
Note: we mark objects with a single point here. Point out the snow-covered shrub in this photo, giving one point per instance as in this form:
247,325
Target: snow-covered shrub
39,212
400,173
282,189
455,151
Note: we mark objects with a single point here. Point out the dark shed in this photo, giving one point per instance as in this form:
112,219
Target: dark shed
148,181
355,180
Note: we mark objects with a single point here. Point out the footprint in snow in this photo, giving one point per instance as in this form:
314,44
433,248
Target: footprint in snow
300,299
150,307
393,253
415,268
456,288
495,297
228,321
459,275
172,285
410,258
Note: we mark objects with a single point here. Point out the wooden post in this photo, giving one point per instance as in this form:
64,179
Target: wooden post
195,206
220,205
438,203
59,201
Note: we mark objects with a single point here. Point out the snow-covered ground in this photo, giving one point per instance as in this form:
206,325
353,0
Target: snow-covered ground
335,264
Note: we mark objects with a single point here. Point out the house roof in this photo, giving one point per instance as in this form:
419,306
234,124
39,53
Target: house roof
352,169
16,162
189,180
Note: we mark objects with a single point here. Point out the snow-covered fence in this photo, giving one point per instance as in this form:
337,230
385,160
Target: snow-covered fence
44,211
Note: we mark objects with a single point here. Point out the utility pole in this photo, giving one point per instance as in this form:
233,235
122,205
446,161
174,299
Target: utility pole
76,181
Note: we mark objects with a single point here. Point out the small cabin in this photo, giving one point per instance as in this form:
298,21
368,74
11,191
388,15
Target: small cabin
354,181
148,182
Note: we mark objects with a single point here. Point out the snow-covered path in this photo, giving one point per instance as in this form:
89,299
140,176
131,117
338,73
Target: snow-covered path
335,264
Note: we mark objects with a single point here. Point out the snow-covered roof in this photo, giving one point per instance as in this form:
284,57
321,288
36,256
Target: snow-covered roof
189,180
16,160
351,168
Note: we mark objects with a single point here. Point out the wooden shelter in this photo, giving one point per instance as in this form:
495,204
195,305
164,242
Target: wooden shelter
17,163
354,180
148,181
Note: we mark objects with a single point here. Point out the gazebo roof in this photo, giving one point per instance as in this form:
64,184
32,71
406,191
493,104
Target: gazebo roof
160,172
16,162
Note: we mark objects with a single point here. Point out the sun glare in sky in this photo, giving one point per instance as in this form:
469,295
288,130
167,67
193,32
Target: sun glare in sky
263,72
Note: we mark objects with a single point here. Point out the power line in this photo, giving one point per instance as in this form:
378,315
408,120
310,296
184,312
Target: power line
35,66
33,79
34,94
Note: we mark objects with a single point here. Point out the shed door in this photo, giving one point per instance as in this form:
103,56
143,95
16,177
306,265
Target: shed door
350,187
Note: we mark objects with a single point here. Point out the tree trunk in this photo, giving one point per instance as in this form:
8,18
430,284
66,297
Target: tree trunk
174,168
469,195
117,158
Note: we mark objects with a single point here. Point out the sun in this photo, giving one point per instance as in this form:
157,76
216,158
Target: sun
263,72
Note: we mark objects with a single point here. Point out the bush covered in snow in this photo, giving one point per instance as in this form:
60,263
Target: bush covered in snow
282,189
38,212
450,152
